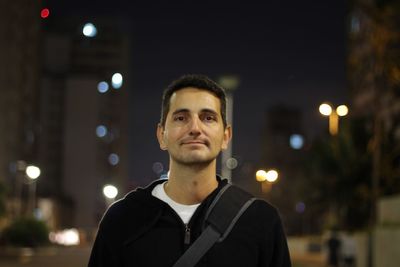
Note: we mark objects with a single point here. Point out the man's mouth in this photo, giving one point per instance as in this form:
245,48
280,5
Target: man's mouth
194,142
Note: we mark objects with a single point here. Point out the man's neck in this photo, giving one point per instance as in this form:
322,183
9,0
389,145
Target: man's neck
190,185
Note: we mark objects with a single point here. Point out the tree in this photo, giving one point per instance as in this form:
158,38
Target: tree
374,76
338,176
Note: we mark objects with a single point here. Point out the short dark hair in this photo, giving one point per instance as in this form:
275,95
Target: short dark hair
197,81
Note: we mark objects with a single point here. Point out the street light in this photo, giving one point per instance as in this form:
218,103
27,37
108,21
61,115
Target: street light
32,172
230,83
110,192
333,114
267,178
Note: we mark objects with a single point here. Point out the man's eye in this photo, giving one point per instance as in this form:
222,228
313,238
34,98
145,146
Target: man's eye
179,118
210,118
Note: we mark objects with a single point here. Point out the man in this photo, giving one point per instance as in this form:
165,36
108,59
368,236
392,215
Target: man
154,226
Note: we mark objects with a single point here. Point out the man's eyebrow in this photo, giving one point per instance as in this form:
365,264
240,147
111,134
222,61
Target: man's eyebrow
181,110
207,110
185,110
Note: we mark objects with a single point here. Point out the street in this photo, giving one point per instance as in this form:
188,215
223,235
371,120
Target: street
78,257
47,257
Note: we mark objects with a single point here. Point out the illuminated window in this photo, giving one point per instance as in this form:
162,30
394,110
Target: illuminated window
113,159
116,80
296,141
101,131
102,87
89,30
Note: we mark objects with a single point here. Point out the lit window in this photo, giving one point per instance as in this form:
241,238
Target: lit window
116,80
355,24
300,207
110,191
89,30
113,159
102,87
296,141
101,131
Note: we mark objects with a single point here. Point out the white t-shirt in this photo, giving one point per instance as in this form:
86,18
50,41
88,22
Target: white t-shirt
184,211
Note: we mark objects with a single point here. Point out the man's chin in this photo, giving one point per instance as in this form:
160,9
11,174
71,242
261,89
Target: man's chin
193,160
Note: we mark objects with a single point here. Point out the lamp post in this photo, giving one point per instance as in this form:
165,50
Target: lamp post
333,114
229,83
32,172
110,192
267,178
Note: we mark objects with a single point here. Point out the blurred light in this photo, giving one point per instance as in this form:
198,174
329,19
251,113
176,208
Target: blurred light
67,237
89,30
101,131
296,141
229,82
13,167
38,214
44,13
231,163
342,110
325,109
158,167
21,165
113,159
116,80
102,87
261,175
110,191
300,207
271,176
355,24
33,172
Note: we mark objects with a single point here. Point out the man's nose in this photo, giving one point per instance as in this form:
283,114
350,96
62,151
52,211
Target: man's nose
195,127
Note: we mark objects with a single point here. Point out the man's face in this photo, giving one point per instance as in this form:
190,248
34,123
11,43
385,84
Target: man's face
194,132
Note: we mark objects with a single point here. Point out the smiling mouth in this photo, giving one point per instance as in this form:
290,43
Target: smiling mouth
194,143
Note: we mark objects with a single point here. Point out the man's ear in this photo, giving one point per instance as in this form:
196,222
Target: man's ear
160,137
227,137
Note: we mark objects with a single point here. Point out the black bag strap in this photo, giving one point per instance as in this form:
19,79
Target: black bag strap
225,210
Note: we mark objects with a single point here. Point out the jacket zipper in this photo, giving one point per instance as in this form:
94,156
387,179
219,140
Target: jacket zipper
187,235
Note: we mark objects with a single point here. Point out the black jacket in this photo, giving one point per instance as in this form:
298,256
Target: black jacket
141,230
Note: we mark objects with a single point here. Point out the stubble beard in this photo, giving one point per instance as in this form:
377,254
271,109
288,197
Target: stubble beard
193,160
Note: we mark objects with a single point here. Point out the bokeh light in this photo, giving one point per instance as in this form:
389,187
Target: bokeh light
89,30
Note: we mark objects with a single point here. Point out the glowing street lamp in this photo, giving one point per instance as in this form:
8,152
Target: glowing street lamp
333,114
110,192
32,172
267,178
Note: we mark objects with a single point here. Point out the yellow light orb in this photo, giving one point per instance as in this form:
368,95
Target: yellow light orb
325,109
110,191
261,175
272,176
342,110
32,172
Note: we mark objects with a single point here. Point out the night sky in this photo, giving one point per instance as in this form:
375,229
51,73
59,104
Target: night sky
285,52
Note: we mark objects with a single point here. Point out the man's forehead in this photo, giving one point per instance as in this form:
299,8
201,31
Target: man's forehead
193,98
193,92
187,90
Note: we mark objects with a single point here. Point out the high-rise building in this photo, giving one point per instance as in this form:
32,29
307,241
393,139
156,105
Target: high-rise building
84,111
20,32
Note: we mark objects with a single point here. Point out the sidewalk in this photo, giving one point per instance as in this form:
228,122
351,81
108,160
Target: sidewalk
308,260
